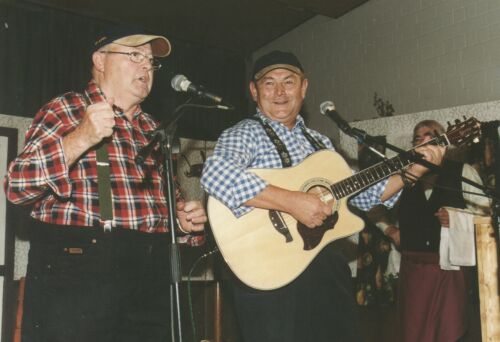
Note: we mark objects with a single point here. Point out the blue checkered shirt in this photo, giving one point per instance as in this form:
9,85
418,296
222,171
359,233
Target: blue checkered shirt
246,145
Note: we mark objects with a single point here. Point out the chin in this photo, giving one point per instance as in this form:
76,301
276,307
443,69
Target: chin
284,114
142,94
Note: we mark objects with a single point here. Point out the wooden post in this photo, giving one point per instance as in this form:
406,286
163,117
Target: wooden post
19,311
487,267
217,313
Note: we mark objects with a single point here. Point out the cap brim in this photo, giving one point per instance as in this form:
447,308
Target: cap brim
160,45
265,70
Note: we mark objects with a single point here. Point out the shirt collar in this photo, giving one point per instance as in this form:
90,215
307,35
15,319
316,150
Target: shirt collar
94,94
299,124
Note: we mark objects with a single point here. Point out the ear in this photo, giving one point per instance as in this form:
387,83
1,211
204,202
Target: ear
305,84
98,61
253,91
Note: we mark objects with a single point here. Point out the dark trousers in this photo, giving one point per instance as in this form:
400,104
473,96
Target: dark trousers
86,285
318,306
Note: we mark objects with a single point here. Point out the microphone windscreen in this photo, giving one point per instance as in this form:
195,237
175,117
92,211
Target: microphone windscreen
177,82
326,106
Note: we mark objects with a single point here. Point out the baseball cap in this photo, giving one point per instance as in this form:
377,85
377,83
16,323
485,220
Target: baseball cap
276,60
132,36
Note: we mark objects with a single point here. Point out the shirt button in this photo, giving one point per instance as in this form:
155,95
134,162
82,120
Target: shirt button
427,243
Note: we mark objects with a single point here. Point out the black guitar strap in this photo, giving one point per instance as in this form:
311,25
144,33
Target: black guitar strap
286,160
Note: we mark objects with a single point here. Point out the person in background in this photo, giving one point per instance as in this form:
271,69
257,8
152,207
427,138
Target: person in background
319,305
431,300
91,279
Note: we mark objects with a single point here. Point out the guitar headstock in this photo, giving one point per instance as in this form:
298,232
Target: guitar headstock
463,132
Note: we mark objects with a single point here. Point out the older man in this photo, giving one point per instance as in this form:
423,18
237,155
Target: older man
319,304
92,277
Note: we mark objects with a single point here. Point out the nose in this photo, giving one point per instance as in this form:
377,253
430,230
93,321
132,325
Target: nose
280,88
147,64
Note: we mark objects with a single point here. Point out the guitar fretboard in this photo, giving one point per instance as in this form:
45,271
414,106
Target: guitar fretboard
363,179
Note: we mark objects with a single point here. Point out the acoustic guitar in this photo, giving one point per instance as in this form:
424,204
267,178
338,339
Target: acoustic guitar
267,249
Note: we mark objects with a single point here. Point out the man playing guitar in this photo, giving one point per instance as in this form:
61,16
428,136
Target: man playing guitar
318,305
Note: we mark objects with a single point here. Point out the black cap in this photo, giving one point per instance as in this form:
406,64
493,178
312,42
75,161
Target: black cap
132,36
276,60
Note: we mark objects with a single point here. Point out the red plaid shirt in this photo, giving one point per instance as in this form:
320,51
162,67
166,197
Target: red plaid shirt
40,177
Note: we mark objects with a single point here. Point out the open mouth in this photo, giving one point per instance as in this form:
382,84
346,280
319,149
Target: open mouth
280,103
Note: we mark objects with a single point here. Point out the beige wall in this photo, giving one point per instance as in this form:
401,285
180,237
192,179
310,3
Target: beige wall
418,54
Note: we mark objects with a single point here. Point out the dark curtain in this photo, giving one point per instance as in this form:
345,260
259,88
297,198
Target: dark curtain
46,52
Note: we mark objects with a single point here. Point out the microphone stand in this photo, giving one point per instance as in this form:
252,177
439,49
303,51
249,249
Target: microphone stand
174,252
164,136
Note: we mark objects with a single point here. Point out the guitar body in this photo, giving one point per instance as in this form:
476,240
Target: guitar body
265,257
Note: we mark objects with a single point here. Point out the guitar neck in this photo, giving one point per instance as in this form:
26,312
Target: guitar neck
374,174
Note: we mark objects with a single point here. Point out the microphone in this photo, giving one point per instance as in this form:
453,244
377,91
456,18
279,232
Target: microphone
328,108
181,83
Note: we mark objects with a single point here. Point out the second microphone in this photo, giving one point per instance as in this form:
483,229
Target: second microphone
182,84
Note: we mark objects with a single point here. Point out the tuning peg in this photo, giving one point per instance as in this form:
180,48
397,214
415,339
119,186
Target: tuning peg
457,121
465,118
449,123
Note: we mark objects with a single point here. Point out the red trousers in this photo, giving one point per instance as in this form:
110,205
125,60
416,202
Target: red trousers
431,301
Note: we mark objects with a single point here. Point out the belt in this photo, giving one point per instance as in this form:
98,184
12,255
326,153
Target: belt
52,233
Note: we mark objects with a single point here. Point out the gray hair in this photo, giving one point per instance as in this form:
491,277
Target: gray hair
432,124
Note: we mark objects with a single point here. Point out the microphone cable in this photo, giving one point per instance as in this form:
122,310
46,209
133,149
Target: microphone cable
190,301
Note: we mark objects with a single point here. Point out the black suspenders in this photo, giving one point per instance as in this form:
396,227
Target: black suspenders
103,181
286,160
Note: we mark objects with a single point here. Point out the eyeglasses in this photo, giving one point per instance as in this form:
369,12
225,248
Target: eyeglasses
138,57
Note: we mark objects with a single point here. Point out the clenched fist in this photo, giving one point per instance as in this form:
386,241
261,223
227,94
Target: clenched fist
97,123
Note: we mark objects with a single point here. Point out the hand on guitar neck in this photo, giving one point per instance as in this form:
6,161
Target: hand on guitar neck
432,153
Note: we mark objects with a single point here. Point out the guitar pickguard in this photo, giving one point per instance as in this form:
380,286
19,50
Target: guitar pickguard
319,187
312,237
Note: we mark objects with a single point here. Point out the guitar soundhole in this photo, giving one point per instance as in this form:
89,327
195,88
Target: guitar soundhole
323,193
312,237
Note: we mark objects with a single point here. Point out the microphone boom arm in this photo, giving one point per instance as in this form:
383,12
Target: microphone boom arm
328,108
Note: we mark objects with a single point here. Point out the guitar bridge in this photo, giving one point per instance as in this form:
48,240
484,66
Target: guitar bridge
279,224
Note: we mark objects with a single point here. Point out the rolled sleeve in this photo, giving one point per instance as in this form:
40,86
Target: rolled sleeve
36,171
225,175
54,169
230,184
41,167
